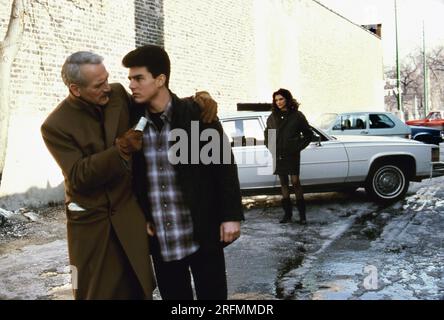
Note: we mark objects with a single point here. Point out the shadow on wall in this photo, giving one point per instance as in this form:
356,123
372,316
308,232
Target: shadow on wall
34,198
149,22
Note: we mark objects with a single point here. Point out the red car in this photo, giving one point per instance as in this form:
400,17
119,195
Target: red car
434,119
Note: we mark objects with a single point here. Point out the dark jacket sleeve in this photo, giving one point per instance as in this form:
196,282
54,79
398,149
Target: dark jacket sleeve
224,174
301,138
226,179
306,132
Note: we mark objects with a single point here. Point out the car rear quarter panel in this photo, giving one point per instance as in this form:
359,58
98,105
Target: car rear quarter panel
363,155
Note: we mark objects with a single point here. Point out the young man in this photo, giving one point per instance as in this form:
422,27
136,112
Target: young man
88,135
194,209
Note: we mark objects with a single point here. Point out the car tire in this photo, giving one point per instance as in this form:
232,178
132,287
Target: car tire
387,183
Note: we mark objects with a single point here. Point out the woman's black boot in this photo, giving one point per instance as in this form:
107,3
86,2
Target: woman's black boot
288,210
300,204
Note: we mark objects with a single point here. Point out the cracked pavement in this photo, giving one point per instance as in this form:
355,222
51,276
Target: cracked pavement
350,249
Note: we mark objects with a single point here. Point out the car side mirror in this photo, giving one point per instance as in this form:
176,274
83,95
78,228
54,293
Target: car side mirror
319,144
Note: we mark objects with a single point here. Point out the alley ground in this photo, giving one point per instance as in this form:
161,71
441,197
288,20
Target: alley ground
351,249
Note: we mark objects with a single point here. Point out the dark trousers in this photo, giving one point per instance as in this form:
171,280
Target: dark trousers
207,267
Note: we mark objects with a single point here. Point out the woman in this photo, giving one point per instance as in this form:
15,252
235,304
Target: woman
293,134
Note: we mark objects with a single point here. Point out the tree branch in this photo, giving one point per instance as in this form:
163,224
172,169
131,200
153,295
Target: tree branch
10,45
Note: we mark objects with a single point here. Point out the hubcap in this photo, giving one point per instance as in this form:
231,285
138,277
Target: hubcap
388,181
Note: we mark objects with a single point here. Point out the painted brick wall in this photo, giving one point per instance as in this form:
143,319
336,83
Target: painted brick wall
55,29
149,22
211,47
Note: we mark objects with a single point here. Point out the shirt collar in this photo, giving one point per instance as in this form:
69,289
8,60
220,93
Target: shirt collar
166,115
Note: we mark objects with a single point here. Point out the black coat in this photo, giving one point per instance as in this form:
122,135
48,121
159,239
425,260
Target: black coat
293,134
211,192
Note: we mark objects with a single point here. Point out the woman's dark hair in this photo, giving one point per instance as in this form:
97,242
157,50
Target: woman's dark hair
292,103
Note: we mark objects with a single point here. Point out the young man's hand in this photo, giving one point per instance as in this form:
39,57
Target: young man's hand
229,231
207,105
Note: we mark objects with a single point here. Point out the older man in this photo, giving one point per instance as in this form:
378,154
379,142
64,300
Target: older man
88,135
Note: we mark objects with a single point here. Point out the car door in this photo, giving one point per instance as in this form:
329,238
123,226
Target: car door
254,161
324,161
381,124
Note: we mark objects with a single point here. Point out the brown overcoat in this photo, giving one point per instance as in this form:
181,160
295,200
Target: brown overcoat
108,240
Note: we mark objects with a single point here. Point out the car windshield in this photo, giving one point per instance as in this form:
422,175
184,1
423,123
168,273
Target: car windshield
434,116
326,120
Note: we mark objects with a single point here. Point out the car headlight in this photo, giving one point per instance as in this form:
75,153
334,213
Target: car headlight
442,134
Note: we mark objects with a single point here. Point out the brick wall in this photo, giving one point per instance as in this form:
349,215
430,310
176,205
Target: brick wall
55,29
211,47
149,22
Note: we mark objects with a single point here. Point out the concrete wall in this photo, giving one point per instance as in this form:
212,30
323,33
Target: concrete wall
240,51
340,63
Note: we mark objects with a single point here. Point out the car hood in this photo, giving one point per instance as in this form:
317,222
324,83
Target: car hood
359,138
414,122
428,129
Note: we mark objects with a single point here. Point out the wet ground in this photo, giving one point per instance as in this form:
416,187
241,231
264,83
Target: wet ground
351,249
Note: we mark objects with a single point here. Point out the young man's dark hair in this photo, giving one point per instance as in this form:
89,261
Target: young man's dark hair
154,58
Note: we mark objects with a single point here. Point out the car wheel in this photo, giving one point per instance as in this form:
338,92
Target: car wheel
387,183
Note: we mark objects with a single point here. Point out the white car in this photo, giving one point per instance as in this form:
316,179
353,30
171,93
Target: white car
376,123
384,166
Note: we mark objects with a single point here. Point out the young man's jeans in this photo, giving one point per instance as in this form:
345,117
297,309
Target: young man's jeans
174,279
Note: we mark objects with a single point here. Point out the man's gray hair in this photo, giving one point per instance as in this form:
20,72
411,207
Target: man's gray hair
71,68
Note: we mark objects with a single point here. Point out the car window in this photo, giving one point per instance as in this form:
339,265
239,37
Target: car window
244,131
434,116
351,122
317,136
380,121
325,120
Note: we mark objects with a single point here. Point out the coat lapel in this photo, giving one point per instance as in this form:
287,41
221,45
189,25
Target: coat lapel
111,123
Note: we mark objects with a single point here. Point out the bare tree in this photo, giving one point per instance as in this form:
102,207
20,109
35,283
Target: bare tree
412,79
8,51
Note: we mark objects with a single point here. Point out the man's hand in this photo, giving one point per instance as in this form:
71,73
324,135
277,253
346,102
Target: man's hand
129,142
207,105
150,229
229,231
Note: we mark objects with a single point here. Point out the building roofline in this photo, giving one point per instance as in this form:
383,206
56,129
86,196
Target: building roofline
340,15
